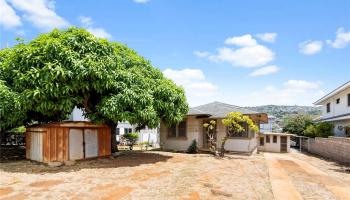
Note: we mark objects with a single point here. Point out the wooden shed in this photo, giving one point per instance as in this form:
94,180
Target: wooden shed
59,142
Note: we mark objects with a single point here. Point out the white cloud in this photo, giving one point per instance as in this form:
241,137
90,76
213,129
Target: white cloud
87,22
40,13
20,33
265,71
244,40
196,86
248,53
292,92
301,84
267,37
249,56
142,1
100,32
342,39
8,17
201,54
310,47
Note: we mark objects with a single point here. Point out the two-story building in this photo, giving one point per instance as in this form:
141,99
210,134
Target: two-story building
336,109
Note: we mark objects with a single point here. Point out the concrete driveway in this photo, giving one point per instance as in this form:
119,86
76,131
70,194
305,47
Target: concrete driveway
293,177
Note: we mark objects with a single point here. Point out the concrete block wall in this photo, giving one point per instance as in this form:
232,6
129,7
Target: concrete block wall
334,148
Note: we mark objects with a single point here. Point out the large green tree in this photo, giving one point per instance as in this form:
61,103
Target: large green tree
297,124
110,82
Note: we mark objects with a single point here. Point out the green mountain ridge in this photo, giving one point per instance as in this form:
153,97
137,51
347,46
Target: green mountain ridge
281,111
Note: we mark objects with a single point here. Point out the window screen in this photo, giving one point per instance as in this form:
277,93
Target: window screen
182,129
244,134
261,141
172,131
328,107
267,139
274,139
117,131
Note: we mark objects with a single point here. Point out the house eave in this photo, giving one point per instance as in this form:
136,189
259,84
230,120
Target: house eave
332,93
334,118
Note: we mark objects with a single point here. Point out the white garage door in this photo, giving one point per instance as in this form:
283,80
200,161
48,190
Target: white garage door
91,145
76,150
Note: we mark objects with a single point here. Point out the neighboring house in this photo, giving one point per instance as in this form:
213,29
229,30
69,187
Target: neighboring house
179,137
274,142
145,135
271,126
336,109
268,127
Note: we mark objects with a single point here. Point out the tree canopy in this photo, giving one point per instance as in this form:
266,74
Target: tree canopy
43,81
297,124
322,129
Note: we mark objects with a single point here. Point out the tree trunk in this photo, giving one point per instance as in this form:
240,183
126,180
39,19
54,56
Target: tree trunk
222,150
114,146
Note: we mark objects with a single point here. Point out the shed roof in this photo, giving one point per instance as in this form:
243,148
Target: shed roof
76,124
271,133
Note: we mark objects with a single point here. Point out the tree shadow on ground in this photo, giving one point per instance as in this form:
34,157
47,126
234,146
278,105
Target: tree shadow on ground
126,159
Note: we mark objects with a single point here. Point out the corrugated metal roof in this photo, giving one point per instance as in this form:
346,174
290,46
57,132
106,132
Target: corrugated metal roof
218,110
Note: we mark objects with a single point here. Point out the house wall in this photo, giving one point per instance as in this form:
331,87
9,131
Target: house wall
194,127
77,115
336,109
195,131
149,135
273,147
338,131
234,144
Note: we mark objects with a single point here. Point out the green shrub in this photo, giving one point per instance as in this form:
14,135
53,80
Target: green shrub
193,147
131,138
323,129
145,144
297,124
310,131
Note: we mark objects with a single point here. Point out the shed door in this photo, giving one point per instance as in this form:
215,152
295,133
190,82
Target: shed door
91,143
76,148
283,143
36,146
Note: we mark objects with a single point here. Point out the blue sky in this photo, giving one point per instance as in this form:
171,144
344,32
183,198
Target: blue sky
240,52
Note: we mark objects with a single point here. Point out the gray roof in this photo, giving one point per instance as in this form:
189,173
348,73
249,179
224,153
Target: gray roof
218,110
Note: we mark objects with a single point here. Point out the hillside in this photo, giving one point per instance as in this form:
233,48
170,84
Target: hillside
282,111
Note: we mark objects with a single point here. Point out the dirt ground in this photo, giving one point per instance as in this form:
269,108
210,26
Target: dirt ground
299,176
165,175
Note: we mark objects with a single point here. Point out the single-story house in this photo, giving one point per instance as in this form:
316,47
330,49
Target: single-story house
179,137
274,142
